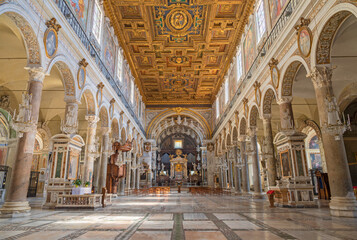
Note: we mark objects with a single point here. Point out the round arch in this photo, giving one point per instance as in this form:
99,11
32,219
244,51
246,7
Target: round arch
289,72
268,97
253,115
326,31
182,111
90,101
25,25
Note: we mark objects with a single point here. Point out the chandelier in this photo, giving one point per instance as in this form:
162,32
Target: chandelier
23,122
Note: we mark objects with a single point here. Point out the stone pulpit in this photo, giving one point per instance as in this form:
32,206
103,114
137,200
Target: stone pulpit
294,188
178,166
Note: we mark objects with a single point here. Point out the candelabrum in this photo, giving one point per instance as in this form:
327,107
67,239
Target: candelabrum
23,122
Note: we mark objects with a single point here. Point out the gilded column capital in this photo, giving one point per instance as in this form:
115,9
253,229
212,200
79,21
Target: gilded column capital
321,76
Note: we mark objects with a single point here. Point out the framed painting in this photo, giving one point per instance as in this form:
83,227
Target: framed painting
285,164
51,42
304,41
73,166
249,48
80,10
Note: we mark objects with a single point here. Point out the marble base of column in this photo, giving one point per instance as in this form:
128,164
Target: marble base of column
343,206
15,209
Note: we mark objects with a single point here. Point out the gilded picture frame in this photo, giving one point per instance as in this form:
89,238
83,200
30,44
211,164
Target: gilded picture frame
81,76
50,41
304,38
275,76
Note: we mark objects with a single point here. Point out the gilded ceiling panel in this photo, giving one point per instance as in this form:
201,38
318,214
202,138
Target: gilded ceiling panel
179,50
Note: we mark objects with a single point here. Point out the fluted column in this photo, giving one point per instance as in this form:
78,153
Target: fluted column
255,161
269,151
245,177
16,203
90,148
343,202
104,161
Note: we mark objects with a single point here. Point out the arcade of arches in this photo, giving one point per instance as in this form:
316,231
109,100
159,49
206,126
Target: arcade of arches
178,119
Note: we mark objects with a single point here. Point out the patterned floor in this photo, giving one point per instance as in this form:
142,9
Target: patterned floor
181,216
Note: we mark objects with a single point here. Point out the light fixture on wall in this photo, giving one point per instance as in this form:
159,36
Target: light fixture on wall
23,122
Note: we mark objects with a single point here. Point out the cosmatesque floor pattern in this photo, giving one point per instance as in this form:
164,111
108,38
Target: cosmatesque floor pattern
181,216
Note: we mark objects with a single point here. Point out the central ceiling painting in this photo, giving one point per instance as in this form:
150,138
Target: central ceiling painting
179,50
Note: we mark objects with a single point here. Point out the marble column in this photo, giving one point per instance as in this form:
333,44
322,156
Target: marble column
343,202
137,179
268,148
238,187
104,161
16,204
237,183
149,176
255,161
133,178
245,176
128,175
90,148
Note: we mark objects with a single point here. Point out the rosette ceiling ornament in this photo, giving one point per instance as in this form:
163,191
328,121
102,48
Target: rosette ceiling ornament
179,50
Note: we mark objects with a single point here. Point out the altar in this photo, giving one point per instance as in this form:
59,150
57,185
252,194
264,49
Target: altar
178,166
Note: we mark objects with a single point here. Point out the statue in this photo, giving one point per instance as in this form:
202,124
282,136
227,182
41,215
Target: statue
194,167
71,116
287,122
24,109
162,166
332,112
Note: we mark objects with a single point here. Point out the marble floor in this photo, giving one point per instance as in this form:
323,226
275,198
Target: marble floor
181,216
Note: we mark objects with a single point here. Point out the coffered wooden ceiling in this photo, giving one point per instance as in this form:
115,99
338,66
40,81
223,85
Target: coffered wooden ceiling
179,50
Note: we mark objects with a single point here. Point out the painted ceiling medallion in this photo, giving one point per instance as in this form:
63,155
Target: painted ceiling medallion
179,59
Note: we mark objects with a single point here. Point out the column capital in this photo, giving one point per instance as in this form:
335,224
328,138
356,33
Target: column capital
242,138
92,120
267,117
285,99
321,76
37,74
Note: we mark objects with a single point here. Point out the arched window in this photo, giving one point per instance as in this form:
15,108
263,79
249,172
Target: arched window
260,21
239,66
97,21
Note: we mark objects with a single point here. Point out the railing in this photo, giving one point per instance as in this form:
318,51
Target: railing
77,28
275,32
76,201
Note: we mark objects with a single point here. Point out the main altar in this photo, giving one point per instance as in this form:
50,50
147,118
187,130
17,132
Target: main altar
178,166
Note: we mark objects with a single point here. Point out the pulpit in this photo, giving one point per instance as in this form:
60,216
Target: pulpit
294,188
178,166
115,170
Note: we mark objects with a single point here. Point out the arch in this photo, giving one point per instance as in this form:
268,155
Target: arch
25,25
268,98
115,129
327,29
123,135
69,84
223,145
235,134
181,111
253,116
104,116
90,101
229,139
289,72
243,127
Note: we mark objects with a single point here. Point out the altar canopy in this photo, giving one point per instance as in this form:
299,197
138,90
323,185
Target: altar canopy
178,166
